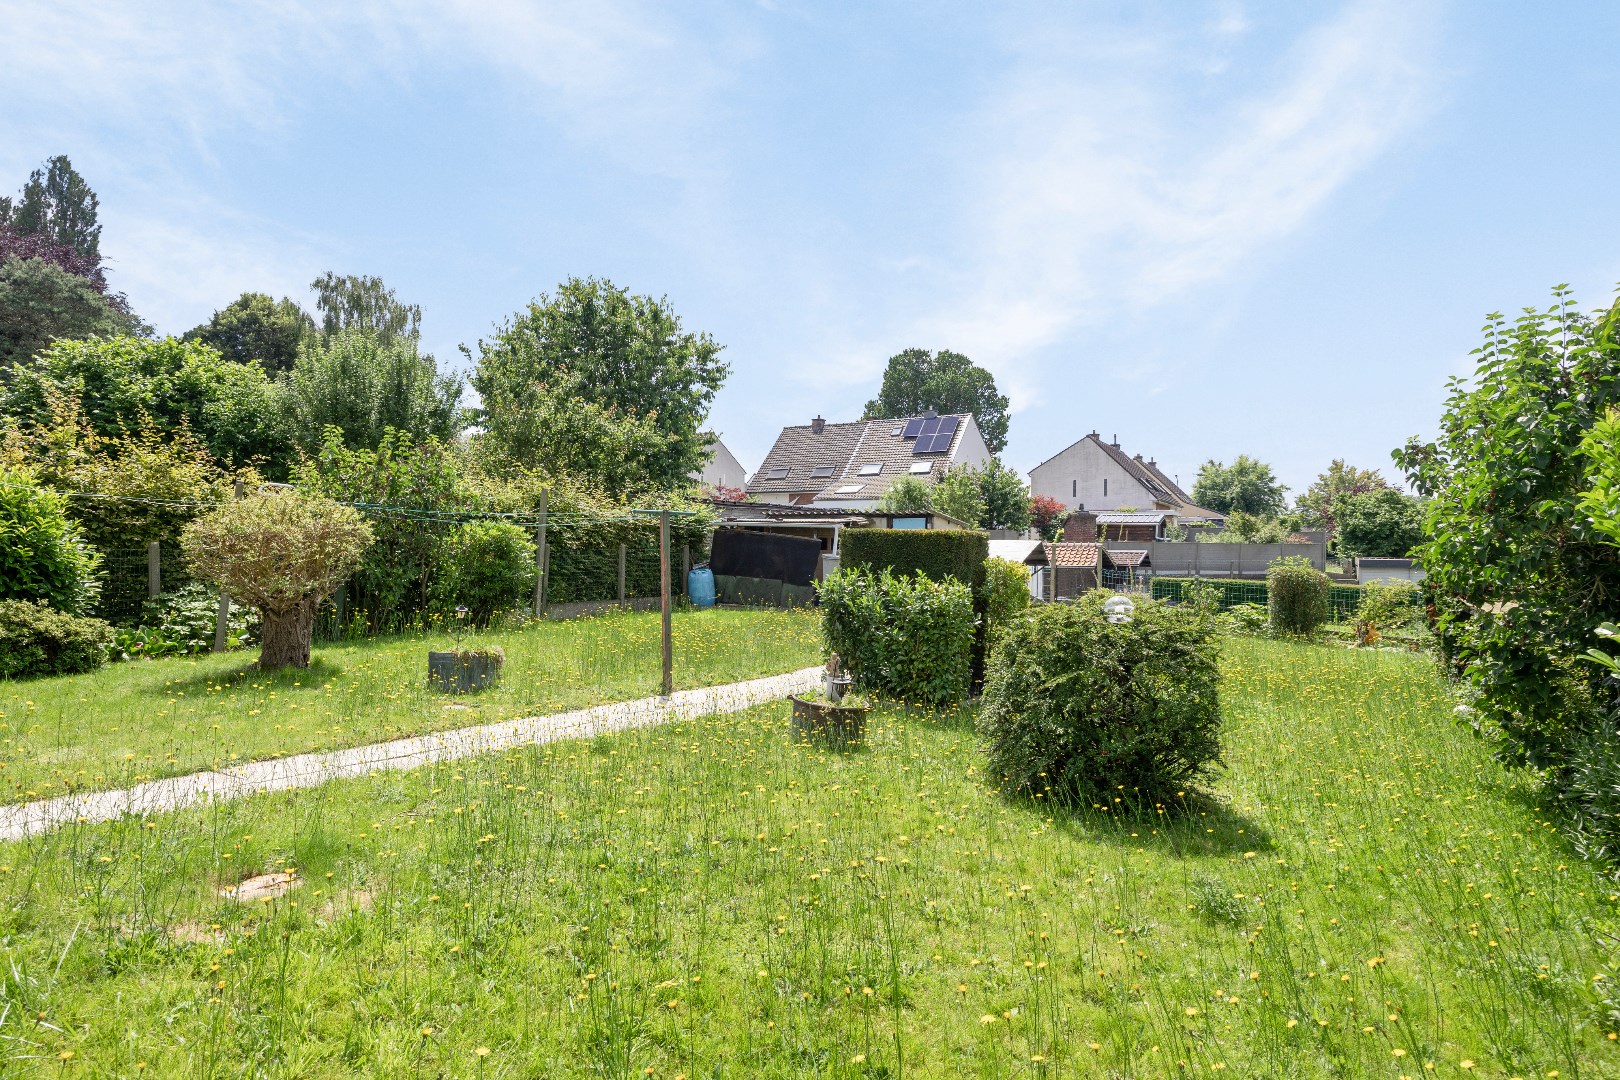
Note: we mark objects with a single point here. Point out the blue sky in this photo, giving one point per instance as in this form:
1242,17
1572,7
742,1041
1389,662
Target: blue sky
1210,227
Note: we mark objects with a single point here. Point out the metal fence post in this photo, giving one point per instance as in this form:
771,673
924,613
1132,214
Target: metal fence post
540,556
154,569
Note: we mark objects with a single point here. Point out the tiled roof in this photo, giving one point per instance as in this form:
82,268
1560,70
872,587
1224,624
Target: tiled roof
1071,554
1152,478
847,447
1126,556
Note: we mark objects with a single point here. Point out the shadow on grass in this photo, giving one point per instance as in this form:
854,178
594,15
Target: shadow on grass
247,672
1200,825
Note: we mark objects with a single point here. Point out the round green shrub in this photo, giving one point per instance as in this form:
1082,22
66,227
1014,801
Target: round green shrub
1084,711
35,640
1297,594
488,567
42,556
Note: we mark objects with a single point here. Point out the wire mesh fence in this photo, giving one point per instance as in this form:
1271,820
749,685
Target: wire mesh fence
127,580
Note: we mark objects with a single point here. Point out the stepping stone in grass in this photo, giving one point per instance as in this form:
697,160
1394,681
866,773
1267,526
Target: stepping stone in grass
262,887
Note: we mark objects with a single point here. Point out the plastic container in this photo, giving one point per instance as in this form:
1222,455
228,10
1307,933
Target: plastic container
700,586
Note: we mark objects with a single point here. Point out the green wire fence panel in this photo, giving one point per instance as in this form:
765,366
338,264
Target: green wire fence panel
1343,599
125,580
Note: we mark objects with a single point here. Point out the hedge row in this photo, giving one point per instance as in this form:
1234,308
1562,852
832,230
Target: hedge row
938,554
1344,599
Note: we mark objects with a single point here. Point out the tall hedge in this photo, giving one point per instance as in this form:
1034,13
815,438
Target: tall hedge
939,554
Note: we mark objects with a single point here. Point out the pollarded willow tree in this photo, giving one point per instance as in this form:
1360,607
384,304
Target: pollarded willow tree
282,553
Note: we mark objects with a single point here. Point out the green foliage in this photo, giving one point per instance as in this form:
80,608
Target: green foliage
1389,605
559,433
58,204
41,303
146,485
957,495
37,640
916,380
904,637
908,495
1518,573
1233,592
1081,710
1381,523
364,384
42,556
1245,528
1298,595
182,622
394,580
349,302
1246,484
127,385
1006,591
488,566
1600,502
1202,597
256,329
940,554
1006,497
1339,480
1253,620
596,344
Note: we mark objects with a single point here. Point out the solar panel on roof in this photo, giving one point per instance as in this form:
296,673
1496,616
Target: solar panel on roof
947,425
932,444
930,427
914,426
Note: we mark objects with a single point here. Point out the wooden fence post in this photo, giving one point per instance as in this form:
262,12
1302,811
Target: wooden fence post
621,574
154,570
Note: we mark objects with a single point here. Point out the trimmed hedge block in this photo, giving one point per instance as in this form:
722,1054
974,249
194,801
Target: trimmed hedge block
938,554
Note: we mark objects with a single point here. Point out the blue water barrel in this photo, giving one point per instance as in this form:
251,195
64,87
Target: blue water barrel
700,586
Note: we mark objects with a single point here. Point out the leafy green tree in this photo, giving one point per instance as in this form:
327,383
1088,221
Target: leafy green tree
127,385
351,302
560,433
1382,523
1246,484
57,203
256,329
1046,514
1519,575
959,495
1337,481
1006,497
907,495
917,380
42,555
364,384
41,303
594,343
1245,528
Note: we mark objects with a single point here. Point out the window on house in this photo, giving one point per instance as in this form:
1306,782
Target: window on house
872,470
849,489
921,468
821,472
908,523
777,474
1074,489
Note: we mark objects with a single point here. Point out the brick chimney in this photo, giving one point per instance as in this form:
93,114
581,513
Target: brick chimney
1080,527
818,425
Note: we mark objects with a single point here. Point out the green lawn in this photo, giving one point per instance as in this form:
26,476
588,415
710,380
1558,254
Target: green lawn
1368,895
137,721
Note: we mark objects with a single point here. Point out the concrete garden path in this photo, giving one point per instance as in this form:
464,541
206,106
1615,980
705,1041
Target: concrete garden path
310,770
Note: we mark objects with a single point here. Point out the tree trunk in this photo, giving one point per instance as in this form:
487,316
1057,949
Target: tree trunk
287,633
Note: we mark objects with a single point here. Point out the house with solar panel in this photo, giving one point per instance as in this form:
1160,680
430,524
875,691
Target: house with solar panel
850,466
1126,496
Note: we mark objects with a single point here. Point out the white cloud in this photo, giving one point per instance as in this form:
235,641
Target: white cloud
1098,189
